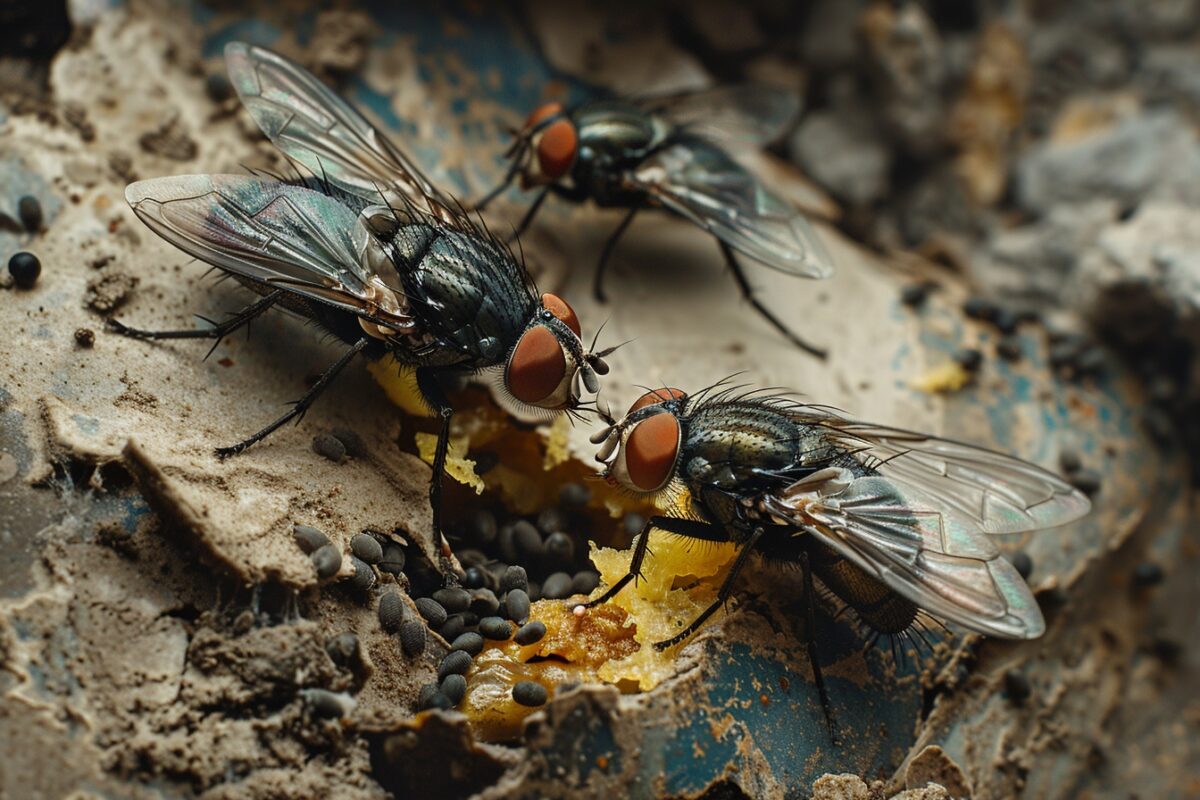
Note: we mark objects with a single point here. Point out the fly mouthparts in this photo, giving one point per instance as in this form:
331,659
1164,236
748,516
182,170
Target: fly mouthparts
600,436
597,363
589,377
606,450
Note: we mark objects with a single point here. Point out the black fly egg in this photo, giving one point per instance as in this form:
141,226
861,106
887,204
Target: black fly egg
29,210
455,624
453,599
391,611
484,603
470,642
329,446
456,662
364,577
412,637
530,633
574,495
366,547
25,269
309,538
432,611
527,539
454,687
495,628
557,586
559,549
342,648
516,603
585,581
528,693
431,697
327,560
393,559
514,578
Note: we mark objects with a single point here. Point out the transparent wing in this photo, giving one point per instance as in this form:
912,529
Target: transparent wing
700,182
306,120
274,233
932,556
998,493
748,115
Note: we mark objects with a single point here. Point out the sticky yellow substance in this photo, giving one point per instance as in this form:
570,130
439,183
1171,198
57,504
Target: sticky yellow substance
948,377
458,466
400,384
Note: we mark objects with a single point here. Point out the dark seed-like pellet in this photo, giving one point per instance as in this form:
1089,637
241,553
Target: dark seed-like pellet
218,87
495,628
557,586
484,603
914,295
1016,687
1005,321
528,693
366,547
351,441
412,637
969,358
325,704
516,603
454,626
530,633
456,662
585,581
1022,563
425,695
454,687
574,495
469,642
551,520
85,337
469,618
453,599
342,648
393,559
534,591
506,544
1009,348
391,611
436,699
1147,574
527,539
633,523
559,549
29,210
310,539
329,446
514,577
473,558
1087,481
474,578
364,576
481,527
25,269
1070,461
432,611
327,560
980,308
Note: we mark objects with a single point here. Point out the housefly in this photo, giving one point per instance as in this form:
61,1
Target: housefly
669,152
890,521
372,252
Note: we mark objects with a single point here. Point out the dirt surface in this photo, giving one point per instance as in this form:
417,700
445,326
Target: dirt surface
162,634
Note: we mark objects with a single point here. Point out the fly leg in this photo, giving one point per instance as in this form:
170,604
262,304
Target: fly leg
431,390
218,331
748,293
722,594
504,184
299,408
598,281
684,527
530,214
810,624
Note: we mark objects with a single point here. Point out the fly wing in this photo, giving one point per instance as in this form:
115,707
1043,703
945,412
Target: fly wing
996,492
701,183
283,236
747,115
933,556
309,122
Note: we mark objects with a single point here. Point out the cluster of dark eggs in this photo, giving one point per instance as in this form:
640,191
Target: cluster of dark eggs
25,267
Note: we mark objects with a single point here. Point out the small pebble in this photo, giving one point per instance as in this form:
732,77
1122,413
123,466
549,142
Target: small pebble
1087,481
329,446
527,540
484,603
506,544
559,548
25,269
218,87
557,586
364,576
474,578
29,211
366,547
469,642
514,577
1009,348
530,633
516,603
969,358
453,599
1147,574
1016,687
393,559
412,637
326,704
551,520
456,662
310,539
495,628
1022,563
342,649
574,495
633,523
914,295
391,611
432,611
327,561
454,687
481,527
981,308
85,337
453,628
585,581
528,693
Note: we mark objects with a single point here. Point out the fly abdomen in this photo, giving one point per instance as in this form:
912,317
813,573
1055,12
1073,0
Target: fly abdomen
876,604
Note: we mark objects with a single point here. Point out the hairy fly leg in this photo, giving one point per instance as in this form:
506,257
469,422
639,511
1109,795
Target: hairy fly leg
300,406
218,331
722,594
530,214
609,246
432,391
694,529
748,292
810,625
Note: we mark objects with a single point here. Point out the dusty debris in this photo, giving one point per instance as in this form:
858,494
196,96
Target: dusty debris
170,140
109,292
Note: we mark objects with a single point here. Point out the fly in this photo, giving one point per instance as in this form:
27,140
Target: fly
373,253
667,152
890,521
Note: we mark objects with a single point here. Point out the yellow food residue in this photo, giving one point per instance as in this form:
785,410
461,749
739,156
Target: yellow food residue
458,466
400,383
948,377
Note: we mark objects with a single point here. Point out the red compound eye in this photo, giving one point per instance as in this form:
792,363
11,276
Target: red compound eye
537,366
561,309
556,148
651,450
543,112
657,396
